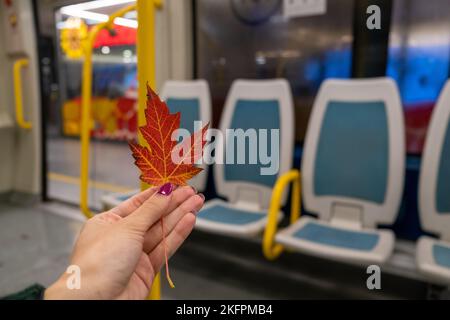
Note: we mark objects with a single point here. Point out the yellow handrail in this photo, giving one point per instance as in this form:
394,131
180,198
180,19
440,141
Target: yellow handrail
18,65
86,96
147,73
271,249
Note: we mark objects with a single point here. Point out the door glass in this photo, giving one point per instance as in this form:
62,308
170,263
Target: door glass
114,104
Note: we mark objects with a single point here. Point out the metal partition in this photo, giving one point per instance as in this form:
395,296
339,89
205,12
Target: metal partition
419,61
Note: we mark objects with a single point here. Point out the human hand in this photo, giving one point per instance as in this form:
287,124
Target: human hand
120,251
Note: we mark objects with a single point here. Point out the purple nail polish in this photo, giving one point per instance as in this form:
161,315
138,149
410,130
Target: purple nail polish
201,195
166,189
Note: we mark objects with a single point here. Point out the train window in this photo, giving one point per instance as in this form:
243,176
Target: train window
419,60
305,50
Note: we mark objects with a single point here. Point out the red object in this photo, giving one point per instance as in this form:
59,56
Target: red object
127,115
122,36
417,118
8,3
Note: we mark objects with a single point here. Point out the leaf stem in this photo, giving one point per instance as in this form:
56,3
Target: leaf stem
165,254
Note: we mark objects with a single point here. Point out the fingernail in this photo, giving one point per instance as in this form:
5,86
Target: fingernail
193,188
201,195
166,189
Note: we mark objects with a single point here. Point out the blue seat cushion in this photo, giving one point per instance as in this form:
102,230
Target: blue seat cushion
189,109
441,255
327,235
352,156
443,177
223,214
253,115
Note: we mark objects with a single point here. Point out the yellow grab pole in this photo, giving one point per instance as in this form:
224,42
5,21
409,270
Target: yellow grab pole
86,96
18,65
146,59
272,250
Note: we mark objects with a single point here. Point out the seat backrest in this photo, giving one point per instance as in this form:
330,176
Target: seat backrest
252,106
434,185
193,100
354,154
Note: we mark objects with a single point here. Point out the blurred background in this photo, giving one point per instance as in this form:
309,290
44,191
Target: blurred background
304,42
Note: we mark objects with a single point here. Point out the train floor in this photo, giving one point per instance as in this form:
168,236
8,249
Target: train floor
37,241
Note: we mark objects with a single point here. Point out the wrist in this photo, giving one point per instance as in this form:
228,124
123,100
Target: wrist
58,290
64,289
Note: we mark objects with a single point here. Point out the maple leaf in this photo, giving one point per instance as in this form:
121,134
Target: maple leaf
156,161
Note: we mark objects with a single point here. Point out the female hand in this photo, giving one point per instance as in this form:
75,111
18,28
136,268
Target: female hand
119,251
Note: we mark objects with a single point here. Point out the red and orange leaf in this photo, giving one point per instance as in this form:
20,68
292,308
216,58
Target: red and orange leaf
156,162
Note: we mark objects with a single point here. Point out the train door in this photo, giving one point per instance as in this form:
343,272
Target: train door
114,112
113,118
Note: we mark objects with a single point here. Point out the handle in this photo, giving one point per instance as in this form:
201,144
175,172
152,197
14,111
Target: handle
18,66
271,249
86,105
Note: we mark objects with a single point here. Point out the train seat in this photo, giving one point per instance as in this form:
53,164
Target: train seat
227,218
433,255
254,105
193,100
352,173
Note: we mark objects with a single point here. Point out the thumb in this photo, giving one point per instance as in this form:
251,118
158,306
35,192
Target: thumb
151,210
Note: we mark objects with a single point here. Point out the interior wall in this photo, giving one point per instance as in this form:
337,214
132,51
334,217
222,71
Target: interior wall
6,122
174,42
26,151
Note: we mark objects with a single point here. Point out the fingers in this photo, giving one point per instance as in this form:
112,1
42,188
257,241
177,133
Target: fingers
149,212
154,235
131,204
180,195
173,241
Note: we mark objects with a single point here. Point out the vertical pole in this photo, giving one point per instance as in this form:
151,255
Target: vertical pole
86,88
146,64
86,106
370,47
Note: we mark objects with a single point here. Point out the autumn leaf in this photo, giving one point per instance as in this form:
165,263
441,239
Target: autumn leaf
156,161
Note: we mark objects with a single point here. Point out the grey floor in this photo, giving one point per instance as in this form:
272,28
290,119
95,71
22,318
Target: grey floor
37,241
35,246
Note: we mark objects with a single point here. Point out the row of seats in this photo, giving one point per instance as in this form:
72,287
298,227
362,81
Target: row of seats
352,171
